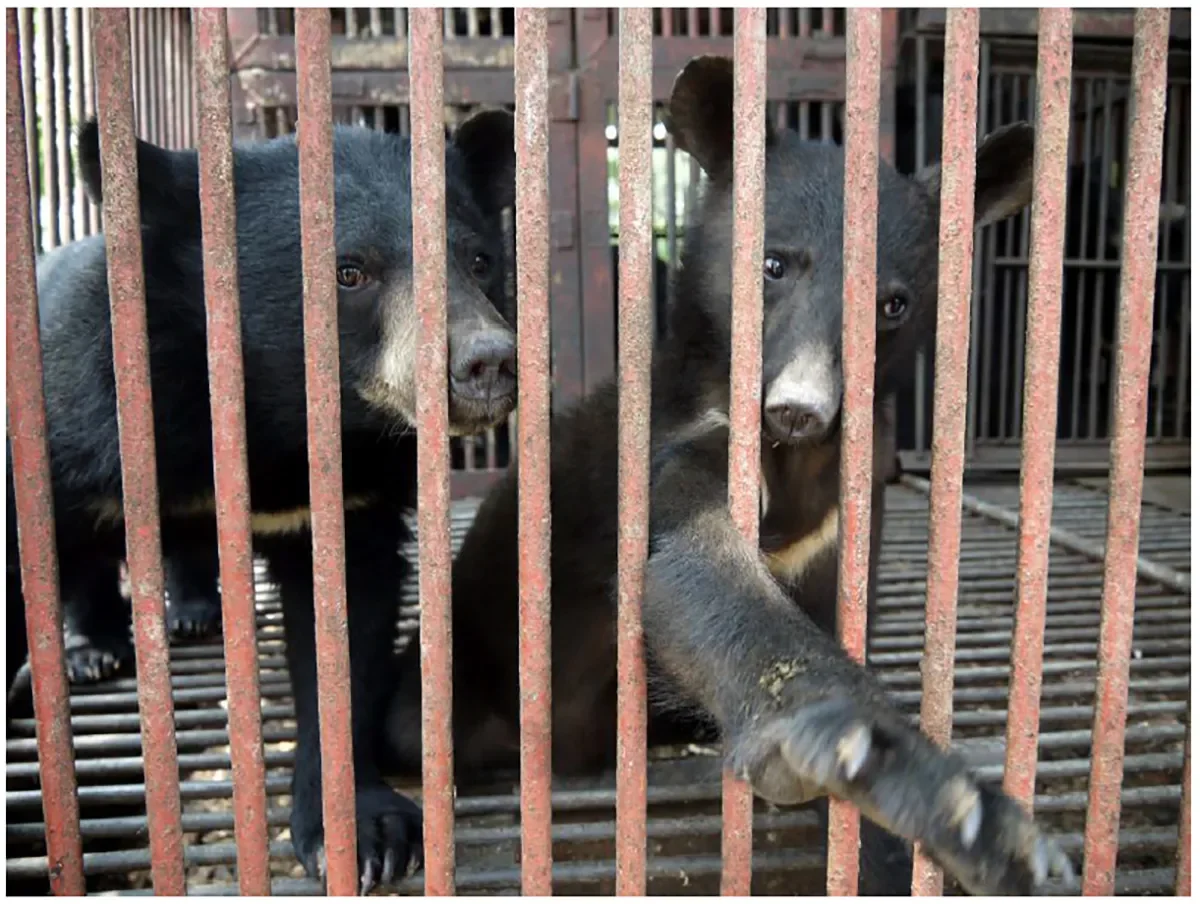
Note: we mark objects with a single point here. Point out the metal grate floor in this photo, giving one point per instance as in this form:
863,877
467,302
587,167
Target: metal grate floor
684,823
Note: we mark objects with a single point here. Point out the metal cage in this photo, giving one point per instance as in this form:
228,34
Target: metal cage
172,783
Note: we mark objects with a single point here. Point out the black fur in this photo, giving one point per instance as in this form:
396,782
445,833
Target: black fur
735,639
377,341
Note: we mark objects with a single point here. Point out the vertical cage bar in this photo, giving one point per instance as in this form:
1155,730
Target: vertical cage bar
977,267
1043,324
1081,272
34,501
1021,226
188,90
672,224
137,25
49,160
79,198
433,485
89,99
1170,193
955,249
135,419
1009,277
1131,373
745,388
62,129
920,394
635,331
158,64
861,200
170,54
1183,375
1102,275
174,57
987,303
1183,855
323,398
532,74
230,475
29,100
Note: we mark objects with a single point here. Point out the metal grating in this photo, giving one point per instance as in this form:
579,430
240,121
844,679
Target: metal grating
684,784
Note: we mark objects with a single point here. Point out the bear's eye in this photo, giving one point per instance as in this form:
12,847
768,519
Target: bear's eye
481,266
351,276
894,307
773,267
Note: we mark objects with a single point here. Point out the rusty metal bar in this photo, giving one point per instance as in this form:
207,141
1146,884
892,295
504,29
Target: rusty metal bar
218,217
1131,373
34,502
135,418
861,200
956,241
532,74
745,388
636,336
433,459
323,397
1183,855
1043,326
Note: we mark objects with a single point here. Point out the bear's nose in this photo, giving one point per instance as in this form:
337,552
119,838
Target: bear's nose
486,367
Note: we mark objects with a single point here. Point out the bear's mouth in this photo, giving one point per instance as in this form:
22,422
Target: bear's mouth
469,415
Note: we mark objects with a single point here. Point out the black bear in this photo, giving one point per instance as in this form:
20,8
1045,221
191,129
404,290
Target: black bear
377,334
740,638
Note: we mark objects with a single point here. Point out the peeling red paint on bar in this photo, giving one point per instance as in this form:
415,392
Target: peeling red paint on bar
532,128
956,244
314,137
433,449
1135,323
745,390
636,333
1040,413
35,505
135,419
231,479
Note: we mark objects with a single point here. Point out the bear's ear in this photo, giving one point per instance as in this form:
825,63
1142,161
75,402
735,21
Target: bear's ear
485,141
1003,174
168,181
700,113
